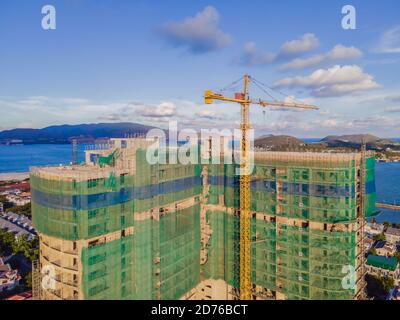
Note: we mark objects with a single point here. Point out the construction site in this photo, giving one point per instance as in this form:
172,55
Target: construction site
118,227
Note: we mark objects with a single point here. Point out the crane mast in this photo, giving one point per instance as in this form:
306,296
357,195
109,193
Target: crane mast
244,100
244,244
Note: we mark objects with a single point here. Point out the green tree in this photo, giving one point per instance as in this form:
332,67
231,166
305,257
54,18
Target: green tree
378,287
397,255
10,245
28,248
373,251
387,224
24,209
387,283
7,240
28,280
379,237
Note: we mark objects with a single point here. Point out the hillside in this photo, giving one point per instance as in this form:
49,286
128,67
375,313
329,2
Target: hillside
355,140
64,133
272,141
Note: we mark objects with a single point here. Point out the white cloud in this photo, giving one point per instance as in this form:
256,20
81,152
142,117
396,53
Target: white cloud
198,34
319,127
392,110
164,109
370,122
34,100
394,98
253,56
335,81
305,43
390,41
339,52
208,114
374,112
42,111
25,125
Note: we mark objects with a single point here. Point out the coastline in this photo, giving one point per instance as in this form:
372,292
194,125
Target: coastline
387,161
16,176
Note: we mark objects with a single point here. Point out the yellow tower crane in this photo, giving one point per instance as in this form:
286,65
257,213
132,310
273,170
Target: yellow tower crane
244,100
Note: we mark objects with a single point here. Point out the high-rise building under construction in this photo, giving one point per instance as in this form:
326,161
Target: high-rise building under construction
118,227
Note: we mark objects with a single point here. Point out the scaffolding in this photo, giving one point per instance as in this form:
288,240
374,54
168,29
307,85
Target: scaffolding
139,231
295,186
87,205
304,230
300,262
100,206
36,280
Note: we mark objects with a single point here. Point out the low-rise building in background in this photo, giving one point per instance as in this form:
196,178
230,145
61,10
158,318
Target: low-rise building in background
385,248
383,267
368,243
27,295
373,229
19,225
9,278
392,235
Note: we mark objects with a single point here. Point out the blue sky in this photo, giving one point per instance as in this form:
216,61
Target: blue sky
150,61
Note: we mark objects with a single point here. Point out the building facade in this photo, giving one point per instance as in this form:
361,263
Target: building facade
118,227
9,278
384,267
307,224
385,248
373,229
392,235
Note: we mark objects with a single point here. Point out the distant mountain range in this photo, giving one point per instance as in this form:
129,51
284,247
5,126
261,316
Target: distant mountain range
65,133
355,141
357,138
345,141
89,133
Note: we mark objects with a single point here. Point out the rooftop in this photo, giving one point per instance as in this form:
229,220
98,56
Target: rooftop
125,148
4,267
7,274
380,244
388,263
22,296
72,172
368,240
393,231
376,226
15,228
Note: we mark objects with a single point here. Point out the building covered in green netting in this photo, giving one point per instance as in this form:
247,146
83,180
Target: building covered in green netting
121,227
307,217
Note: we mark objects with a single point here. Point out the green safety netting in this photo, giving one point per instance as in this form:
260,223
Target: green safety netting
161,260
310,261
300,262
83,209
316,191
